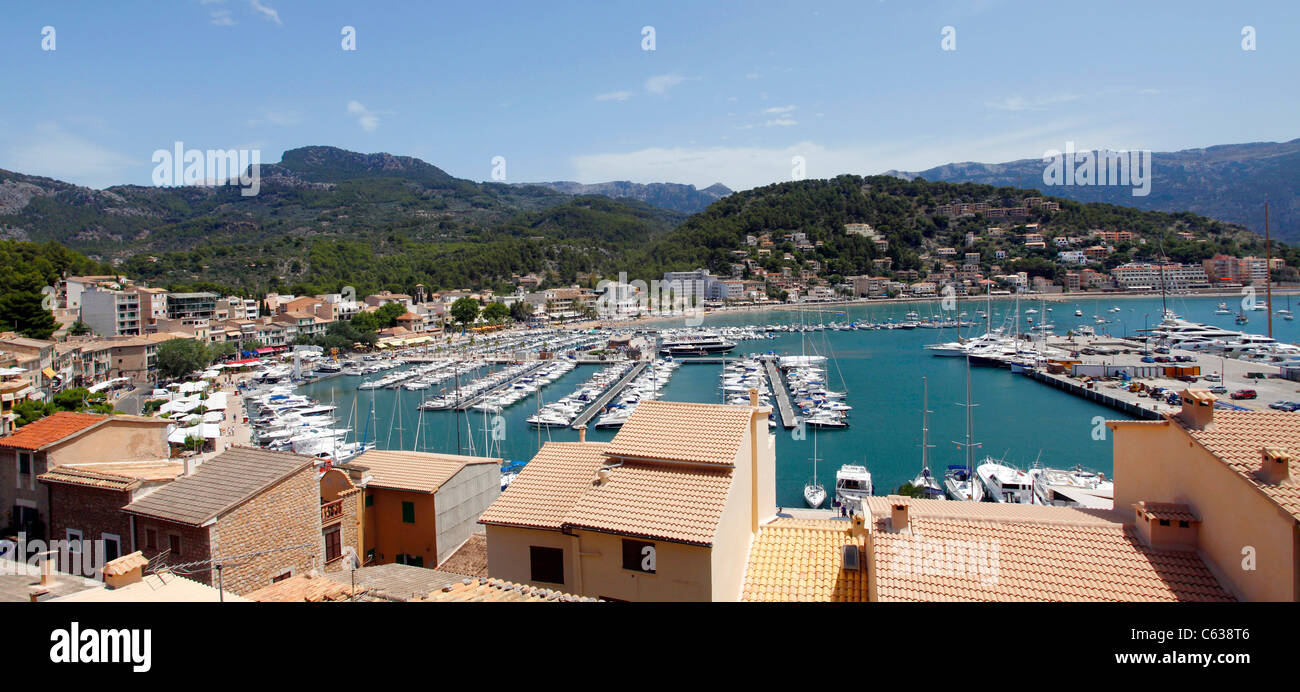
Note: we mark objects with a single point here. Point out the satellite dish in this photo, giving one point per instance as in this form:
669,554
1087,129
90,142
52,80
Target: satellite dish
350,559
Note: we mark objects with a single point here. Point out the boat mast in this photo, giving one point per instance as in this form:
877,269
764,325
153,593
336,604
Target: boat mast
1268,271
925,424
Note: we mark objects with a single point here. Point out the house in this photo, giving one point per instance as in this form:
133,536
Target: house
86,500
126,581
666,510
421,507
1235,472
62,439
269,509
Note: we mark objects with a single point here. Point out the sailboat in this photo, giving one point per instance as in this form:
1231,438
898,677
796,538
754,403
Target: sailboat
960,482
1286,312
925,481
814,493
1223,309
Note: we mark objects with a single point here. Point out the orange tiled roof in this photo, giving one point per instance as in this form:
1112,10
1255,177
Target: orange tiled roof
420,472
1238,438
116,476
50,429
676,431
548,486
1167,510
803,560
305,588
988,552
669,502
496,590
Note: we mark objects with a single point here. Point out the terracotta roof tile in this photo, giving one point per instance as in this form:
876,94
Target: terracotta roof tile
548,486
496,590
675,431
1239,438
122,476
305,588
803,560
50,429
415,471
125,564
669,502
470,559
1167,510
989,552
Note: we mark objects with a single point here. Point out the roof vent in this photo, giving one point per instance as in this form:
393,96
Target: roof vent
851,560
1276,467
603,474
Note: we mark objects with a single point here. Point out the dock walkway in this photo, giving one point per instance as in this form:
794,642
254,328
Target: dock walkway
466,404
783,405
608,395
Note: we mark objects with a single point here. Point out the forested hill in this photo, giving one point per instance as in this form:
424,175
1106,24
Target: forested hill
902,211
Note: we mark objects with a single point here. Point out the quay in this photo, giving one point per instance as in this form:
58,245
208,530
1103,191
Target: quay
465,405
609,394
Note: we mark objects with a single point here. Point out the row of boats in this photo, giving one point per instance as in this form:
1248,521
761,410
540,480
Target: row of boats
563,411
646,387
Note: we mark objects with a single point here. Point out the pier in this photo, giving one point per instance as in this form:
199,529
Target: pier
465,405
608,395
777,384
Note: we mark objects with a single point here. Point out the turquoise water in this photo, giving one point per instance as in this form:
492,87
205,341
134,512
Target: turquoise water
1015,418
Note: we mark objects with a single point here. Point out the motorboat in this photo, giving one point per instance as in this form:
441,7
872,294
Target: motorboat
1004,483
852,487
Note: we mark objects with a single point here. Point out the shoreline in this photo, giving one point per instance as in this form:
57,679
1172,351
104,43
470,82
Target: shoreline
813,306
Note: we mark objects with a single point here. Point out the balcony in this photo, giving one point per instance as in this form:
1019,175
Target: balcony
331,510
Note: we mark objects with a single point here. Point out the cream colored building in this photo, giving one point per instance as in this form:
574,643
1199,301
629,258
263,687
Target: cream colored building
666,511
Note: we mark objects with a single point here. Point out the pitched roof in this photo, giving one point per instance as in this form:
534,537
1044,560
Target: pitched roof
51,429
219,485
676,431
420,472
803,560
396,582
661,501
985,552
470,558
496,590
305,588
548,486
1238,438
121,476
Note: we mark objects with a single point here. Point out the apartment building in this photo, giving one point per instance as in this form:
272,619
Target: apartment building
112,313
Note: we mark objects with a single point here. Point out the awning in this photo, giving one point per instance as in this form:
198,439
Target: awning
266,349
49,372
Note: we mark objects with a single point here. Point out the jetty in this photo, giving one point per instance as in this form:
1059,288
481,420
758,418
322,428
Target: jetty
783,405
609,395
466,404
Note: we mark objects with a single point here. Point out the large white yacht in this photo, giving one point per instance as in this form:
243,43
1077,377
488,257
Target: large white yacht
1004,483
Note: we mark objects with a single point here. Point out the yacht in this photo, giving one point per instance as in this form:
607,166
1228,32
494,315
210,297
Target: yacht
695,344
852,487
1077,487
1005,484
1223,309
925,481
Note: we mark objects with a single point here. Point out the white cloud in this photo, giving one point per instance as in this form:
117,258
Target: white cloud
222,18
781,109
266,11
662,83
615,96
367,119
1020,103
52,152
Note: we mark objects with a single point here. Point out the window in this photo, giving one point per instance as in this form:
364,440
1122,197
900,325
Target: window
24,462
639,556
282,576
74,540
112,546
547,564
1164,522
370,500
333,545
174,543
370,555
1182,524
412,560
151,538
408,512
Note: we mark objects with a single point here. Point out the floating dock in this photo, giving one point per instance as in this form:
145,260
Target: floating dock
466,404
609,395
783,405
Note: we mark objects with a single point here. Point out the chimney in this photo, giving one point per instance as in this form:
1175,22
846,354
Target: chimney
188,463
1198,409
1276,467
1167,525
125,570
753,396
898,517
582,433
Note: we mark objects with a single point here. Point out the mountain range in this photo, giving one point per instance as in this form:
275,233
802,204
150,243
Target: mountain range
686,199
1228,182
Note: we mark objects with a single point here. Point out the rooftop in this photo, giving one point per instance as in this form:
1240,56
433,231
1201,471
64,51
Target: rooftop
305,589
122,476
420,472
395,582
803,560
161,587
548,486
675,431
219,485
52,429
1239,438
667,502
496,590
470,558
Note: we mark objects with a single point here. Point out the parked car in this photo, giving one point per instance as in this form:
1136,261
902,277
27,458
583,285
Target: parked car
1212,377
1148,359
1285,405
1243,394
1162,349
1218,389
1174,400
1164,359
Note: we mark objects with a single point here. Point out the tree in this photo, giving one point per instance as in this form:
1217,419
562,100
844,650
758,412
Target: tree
180,357
464,311
388,314
521,310
496,313
365,322
78,328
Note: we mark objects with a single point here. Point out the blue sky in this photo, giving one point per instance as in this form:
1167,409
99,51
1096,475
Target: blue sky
563,90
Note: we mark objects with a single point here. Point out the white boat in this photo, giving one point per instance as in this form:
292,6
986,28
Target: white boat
1005,484
1077,487
852,487
814,493
925,480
